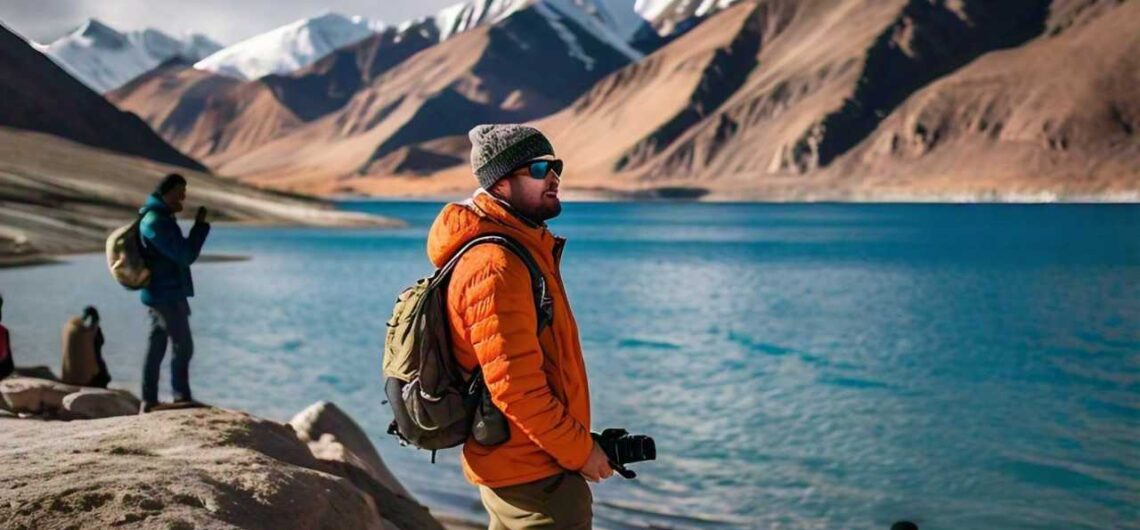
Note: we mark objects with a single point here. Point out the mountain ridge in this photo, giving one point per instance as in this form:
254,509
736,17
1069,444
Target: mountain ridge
104,58
358,88
776,99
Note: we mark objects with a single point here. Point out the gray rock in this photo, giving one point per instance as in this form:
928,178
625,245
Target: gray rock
201,468
333,435
92,403
34,396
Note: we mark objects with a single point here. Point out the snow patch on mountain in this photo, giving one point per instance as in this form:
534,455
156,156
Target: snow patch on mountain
105,59
709,7
666,15
590,15
304,42
290,47
653,9
466,16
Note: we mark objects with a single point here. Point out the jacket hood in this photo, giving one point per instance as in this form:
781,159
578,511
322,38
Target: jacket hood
154,202
482,214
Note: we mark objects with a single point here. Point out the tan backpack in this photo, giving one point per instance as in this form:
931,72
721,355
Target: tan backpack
125,256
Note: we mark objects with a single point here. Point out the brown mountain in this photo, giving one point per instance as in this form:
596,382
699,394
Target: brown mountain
389,104
1058,116
867,99
216,118
620,120
765,99
328,84
518,69
39,96
209,116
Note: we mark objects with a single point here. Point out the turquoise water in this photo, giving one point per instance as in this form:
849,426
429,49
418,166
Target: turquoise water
801,366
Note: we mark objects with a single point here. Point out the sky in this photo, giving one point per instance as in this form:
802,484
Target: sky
225,21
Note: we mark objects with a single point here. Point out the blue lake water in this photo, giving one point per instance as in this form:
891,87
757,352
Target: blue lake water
801,366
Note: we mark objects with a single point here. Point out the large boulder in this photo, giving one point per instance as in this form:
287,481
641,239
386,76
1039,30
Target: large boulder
203,468
93,403
34,396
46,397
332,435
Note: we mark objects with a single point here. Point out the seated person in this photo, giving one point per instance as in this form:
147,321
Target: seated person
83,351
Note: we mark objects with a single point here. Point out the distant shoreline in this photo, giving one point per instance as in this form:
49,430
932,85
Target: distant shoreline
13,261
701,195
35,260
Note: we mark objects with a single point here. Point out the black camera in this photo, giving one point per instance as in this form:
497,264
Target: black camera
623,448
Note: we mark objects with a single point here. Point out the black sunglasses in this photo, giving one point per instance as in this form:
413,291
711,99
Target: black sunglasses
537,169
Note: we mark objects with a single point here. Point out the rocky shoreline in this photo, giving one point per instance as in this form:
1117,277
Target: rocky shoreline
73,457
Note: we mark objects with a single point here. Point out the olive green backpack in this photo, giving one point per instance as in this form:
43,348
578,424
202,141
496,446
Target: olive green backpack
436,404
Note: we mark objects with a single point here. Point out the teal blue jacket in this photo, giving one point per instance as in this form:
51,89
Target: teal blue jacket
168,254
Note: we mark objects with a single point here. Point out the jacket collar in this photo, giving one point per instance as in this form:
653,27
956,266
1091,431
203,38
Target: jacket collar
535,235
506,206
483,214
156,204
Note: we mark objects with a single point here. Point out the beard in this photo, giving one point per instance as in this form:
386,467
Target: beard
541,212
538,209
547,212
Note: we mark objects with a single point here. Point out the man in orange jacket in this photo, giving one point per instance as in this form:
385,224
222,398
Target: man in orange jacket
537,479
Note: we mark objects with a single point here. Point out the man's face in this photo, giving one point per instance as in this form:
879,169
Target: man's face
174,198
536,198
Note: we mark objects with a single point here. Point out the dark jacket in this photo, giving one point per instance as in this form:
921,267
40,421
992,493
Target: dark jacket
168,254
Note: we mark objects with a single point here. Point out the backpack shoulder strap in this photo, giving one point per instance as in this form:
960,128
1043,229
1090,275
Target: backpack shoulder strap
537,280
145,249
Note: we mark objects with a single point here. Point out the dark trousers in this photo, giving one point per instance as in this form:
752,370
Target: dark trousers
168,322
6,366
563,501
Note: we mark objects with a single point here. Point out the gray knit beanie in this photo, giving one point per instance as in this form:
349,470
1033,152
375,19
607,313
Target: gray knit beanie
497,149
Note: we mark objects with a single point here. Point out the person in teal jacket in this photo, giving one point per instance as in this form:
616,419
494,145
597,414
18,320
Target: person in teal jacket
168,255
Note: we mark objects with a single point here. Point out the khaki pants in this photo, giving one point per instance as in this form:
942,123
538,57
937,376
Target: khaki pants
560,501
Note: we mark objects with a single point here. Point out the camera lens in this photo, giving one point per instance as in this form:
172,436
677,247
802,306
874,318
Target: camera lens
636,448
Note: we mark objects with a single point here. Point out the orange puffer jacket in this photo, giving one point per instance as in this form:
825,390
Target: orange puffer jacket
538,382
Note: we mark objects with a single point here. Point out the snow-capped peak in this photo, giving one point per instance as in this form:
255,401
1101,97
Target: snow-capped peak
667,14
95,33
290,47
591,15
465,16
651,9
709,7
105,59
